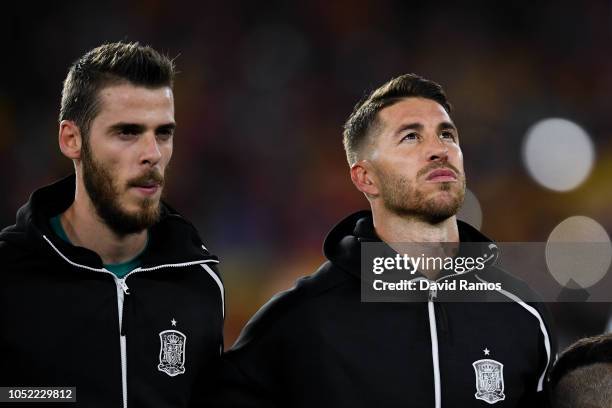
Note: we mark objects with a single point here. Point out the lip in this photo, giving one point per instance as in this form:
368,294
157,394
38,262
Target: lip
441,175
147,190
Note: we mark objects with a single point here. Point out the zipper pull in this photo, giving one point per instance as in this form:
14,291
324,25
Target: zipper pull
124,316
124,286
433,293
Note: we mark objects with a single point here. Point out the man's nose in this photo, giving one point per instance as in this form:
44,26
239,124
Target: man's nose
151,154
436,149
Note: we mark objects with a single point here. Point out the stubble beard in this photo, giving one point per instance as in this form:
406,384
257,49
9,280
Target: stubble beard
402,198
105,195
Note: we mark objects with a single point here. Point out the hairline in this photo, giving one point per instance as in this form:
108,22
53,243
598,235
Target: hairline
109,81
377,124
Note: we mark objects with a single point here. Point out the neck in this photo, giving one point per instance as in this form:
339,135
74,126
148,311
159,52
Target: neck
86,229
397,229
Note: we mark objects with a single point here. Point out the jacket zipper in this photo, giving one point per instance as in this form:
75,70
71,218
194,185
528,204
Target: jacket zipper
433,332
122,291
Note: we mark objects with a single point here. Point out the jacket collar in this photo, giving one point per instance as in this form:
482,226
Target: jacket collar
172,241
343,243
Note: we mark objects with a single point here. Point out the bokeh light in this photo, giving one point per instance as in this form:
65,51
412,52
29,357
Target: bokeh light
558,154
578,252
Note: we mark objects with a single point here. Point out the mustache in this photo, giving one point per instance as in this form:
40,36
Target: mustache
152,176
435,166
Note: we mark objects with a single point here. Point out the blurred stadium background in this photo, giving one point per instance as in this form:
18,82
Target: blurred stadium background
265,87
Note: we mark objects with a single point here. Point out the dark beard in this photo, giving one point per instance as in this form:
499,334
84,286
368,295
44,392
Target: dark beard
104,195
402,198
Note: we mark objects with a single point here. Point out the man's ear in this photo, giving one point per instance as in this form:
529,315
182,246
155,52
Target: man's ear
364,178
70,139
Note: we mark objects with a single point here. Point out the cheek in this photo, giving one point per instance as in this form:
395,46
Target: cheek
403,167
408,167
120,169
112,155
457,158
166,152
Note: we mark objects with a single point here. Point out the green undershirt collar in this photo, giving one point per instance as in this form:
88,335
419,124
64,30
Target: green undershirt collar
120,269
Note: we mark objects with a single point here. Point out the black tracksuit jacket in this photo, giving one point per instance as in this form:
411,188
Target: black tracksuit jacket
151,339
318,345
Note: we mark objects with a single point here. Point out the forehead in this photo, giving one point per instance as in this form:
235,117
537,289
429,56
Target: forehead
413,110
127,102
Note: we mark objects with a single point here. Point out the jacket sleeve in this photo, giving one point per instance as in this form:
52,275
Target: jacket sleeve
539,396
209,371
236,389
250,375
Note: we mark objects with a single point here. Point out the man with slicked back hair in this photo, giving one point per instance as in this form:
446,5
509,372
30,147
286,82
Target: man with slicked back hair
105,287
320,344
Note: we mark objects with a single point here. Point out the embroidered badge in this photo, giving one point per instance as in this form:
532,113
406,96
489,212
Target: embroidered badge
172,352
489,380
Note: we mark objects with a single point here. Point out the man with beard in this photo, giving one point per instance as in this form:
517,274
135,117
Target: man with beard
320,345
105,288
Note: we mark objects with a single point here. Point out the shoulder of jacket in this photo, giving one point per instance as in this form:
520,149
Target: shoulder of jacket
284,306
11,254
510,284
518,291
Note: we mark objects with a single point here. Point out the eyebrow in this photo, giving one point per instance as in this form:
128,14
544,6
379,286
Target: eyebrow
166,127
419,127
447,125
138,128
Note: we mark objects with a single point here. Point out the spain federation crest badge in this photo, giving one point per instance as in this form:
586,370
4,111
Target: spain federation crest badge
489,380
172,352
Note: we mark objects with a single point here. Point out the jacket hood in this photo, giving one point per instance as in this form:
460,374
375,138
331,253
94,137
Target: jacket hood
343,243
171,240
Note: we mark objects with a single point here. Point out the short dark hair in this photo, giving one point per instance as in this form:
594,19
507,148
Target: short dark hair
106,65
578,375
365,113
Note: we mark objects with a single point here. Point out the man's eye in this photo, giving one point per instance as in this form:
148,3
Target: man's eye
127,134
410,137
165,135
447,135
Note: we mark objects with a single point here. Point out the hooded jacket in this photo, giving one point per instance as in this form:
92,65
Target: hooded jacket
319,345
147,340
